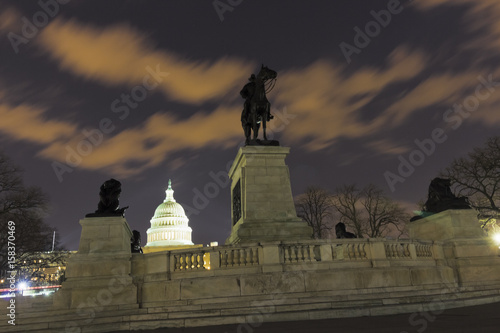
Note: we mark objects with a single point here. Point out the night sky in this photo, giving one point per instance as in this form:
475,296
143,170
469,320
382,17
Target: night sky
382,92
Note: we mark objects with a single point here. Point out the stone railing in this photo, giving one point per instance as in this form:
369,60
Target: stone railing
298,253
237,257
191,260
212,258
380,252
397,250
423,250
355,250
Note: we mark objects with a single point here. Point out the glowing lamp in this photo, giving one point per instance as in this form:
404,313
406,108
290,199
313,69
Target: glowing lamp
22,286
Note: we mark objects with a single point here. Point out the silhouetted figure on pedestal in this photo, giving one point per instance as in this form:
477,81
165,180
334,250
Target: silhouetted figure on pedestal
109,200
440,198
341,233
256,110
135,242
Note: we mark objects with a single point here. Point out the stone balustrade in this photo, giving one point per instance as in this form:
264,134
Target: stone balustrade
376,251
236,257
308,279
189,260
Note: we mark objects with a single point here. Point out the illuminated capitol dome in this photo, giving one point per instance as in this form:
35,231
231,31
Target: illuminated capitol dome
169,225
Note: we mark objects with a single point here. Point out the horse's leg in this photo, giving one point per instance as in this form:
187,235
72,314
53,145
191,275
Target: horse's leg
264,126
264,120
256,125
248,132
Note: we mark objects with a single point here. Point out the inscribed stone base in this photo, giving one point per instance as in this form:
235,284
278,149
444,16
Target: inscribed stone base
262,201
447,225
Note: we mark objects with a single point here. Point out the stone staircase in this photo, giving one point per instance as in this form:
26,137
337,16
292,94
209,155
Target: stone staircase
248,309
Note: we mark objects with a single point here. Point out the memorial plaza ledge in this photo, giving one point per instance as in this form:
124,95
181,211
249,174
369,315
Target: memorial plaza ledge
269,270
109,289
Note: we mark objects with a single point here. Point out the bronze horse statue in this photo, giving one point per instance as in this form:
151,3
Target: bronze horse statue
257,107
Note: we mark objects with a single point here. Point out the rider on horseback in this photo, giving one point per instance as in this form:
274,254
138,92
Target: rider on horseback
247,93
257,109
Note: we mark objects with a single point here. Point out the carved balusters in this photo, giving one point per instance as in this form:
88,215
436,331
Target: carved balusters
188,261
288,253
388,251
248,257
223,258
192,261
424,250
407,251
255,257
238,257
349,251
177,262
196,261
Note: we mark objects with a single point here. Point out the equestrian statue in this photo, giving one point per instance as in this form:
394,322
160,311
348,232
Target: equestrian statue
257,109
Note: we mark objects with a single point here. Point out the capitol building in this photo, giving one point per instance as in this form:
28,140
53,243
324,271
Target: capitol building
169,226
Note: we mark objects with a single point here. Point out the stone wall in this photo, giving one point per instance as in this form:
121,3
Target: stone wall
270,281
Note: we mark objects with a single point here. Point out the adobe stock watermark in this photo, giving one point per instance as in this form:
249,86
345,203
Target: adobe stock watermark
30,29
220,179
454,117
94,137
221,7
372,29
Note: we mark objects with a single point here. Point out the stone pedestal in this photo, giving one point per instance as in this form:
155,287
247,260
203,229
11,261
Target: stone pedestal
450,224
465,245
99,274
262,207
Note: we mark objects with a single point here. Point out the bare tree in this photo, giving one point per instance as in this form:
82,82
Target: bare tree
346,202
477,176
42,268
315,207
369,211
25,207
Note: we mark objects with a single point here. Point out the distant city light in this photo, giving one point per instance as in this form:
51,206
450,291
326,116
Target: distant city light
22,286
496,238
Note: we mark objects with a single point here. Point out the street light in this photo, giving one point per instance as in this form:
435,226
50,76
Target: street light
496,238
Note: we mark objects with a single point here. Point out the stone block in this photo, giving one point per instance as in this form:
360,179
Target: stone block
103,296
270,254
100,265
154,291
385,277
266,196
431,275
273,283
377,250
326,253
210,287
154,263
104,235
333,280
478,274
473,248
447,225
